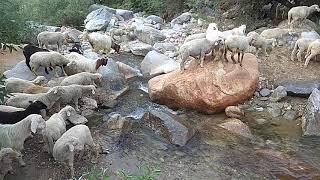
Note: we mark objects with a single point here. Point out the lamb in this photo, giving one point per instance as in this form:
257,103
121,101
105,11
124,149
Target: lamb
47,59
195,36
35,89
14,117
75,139
14,135
261,42
237,44
28,50
301,46
313,50
22,100
196,47
300,13
17,85
73,93
56,125
101,42
79,63
83,78
51,38
7,156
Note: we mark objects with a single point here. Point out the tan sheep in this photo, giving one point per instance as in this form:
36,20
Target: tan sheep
301,46
313,50
300,13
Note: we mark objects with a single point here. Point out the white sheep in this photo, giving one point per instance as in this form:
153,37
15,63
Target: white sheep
300,13
7,156
83,78
22,100
71,142
195,48
301,46
51,38
73,92
213,33
4,108
237,44
313,50
262,43
35,89
14,135
195,36
17,85
48,59
99,42
241,30
56,125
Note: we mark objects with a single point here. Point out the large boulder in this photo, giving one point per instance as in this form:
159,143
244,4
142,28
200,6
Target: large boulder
311,34
183,18
156,63
152,19
163,47
238,127
149,35
128,71
126,14
300,88
311,116
210,89
98,19
139,48
171,127
94,7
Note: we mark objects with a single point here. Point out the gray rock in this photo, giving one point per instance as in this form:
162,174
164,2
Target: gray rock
278,94
300,88
311,116
156,63
265,92
149,35
274,110
155,19
163,47
311,34
261,121
94,7
128,71
126,14
183,18
98,19
234,112
139,48
290,115
116,121
238,127
169,126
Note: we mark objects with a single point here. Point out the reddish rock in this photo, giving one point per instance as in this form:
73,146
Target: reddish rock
234,112
210,89
238,127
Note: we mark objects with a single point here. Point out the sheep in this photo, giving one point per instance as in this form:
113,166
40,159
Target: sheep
237,44
71,34
195,36
75,139
47,59
76,48
7,156
14,117
56,125
101,42
73,93
84,65
30,49
35,89
5,108
196,47
14,135
83,78
213,33
235,31
51,38
56,81
17,85
300,13
313,50
301,46
261,42
22,100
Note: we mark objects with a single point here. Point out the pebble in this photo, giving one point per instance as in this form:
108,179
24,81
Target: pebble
261,121
265,92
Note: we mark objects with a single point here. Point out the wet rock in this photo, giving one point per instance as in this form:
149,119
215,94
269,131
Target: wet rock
234,112
149,35
98,19
173,128
278,94
107,98
300,88
139,48
311,116
290,115
238,127
274,109
128,71
163,47
265,92
183,18
210,89
156,63
126,14
116,121
154,19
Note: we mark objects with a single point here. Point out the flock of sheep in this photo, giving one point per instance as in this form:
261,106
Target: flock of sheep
25,112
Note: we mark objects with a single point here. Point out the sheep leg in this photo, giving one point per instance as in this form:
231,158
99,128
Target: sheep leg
70,163
225,54
50,144
265,51
232,57
221,53
238,56
76,104
213,54
308,59
202,55
299,56
241,58
62,69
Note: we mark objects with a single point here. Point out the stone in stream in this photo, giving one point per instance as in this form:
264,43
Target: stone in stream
209,89
149,35
234,112
238,127
274,109
311,116
139,48
290,115
300,88
128,71
171,127
265,92
116,121
278,94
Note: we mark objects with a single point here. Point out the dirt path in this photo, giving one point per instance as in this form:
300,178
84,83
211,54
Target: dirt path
9,60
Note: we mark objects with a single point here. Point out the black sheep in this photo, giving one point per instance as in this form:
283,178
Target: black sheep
76,48
30,49
14,117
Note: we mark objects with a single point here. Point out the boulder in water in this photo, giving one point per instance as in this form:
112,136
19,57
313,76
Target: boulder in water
238,127
311,116
149,35
139,48
128,71
234,112
98,20
300,88
126,14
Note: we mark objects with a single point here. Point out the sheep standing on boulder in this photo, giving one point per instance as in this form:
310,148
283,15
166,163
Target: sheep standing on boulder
17,85
51,38
83,78
100,42
262,43
313,51
300,13
28,50
301,46
48,59
7,156
71,142
237,44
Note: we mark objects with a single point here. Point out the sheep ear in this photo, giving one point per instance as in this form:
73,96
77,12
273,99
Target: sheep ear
34,125
68,113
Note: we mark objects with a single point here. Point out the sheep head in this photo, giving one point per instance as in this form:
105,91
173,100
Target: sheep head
213,26
40,80
101,62
37,123
315,7
97,78
116,47
243,28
